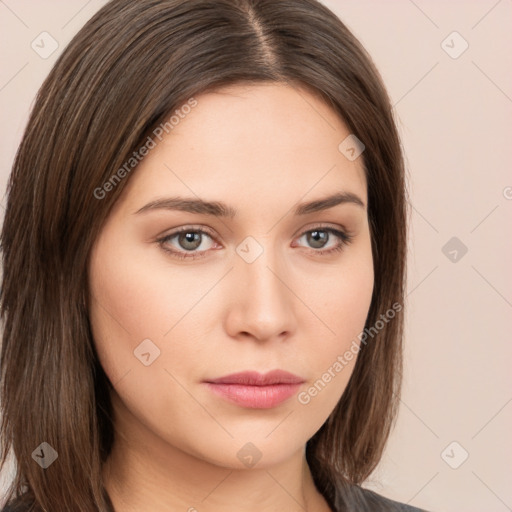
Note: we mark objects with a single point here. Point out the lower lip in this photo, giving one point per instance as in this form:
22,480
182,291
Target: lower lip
255,397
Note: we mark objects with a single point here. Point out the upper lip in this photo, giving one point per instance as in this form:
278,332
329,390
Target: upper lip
252,378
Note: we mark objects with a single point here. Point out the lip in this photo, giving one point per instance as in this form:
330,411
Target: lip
254,390
252,378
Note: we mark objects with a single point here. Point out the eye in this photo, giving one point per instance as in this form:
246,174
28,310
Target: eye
319,236
189,240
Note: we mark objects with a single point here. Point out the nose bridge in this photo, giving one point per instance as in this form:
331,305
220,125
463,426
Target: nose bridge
265,302
259,268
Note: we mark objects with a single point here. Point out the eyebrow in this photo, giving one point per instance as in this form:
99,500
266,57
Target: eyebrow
220,209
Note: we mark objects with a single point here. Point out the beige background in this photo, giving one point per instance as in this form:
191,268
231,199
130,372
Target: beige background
455,118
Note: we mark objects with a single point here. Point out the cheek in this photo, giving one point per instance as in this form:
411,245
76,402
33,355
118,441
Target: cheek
342,295
340,302
132,307
343,303
126,305
141,304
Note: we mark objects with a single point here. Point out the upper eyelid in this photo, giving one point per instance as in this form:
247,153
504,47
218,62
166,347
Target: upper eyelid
211,232
326,226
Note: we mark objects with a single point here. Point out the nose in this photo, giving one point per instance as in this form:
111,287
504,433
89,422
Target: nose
262,303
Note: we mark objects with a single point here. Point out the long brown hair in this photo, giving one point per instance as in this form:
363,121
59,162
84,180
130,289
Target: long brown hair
125,72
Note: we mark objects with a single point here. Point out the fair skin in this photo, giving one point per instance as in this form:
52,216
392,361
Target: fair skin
262,150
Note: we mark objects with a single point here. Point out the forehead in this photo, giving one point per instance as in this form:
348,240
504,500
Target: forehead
247,143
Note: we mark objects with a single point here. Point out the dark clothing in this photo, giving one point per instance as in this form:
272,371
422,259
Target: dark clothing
357,499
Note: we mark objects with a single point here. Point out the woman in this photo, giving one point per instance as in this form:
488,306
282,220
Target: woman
204,257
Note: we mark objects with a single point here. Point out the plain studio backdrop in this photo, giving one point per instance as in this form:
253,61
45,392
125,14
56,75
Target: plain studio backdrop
448,71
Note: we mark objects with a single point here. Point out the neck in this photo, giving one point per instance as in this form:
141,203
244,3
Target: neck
143,472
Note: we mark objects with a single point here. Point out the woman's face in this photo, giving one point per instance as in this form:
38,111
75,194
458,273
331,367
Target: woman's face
258,289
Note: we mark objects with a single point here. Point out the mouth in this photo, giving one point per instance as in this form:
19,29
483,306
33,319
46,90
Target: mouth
254,390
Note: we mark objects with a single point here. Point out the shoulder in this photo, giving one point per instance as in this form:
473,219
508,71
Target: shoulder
15,508
364,500
18,505
387,504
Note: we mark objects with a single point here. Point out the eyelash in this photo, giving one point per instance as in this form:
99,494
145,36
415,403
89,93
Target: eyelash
345,239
